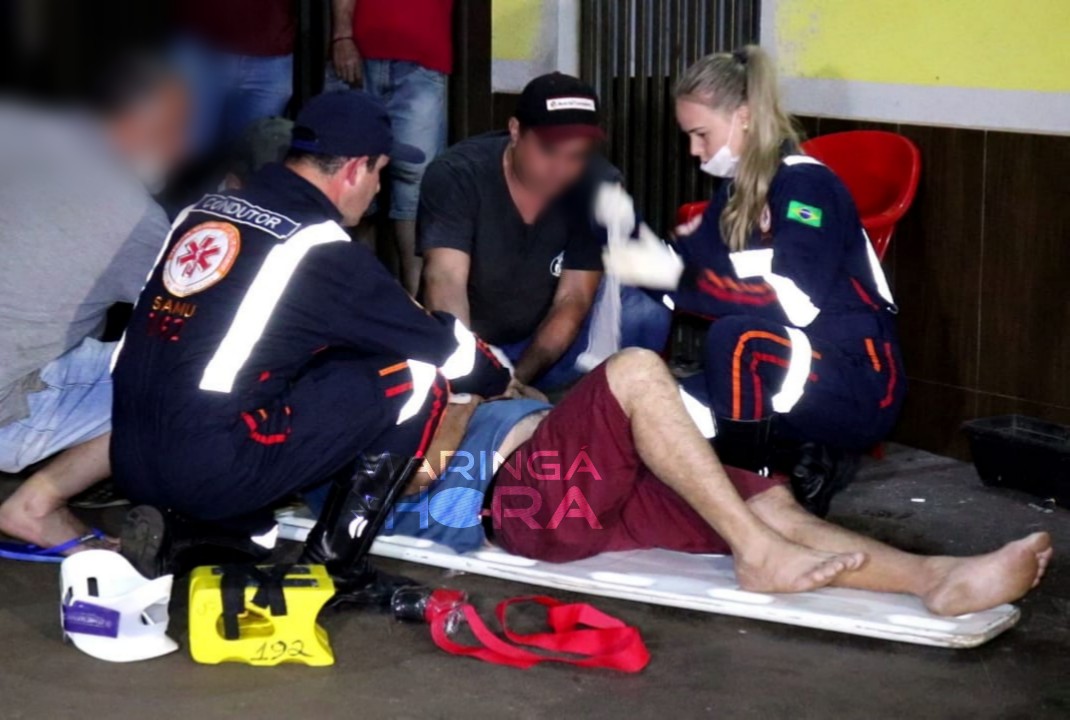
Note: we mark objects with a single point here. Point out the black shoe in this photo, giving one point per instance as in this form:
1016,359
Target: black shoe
745,444
819,474
159,543
368,587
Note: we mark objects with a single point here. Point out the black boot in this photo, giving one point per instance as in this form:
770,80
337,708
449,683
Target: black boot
745,444
160,542
820,471
356,508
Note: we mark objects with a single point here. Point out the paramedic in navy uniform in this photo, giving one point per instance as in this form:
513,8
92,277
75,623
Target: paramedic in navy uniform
805,327
269,355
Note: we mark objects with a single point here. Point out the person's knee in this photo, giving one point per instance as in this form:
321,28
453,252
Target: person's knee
637,361
634,369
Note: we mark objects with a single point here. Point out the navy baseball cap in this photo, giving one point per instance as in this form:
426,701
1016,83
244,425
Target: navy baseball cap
349,123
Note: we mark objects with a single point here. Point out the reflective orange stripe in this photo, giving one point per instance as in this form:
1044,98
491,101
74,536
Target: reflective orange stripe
889,398
737,361
393,369
873,358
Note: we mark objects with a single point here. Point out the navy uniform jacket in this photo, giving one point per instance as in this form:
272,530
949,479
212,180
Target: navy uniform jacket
809,265
249,290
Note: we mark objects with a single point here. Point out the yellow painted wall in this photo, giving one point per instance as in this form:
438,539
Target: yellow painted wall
515,28
996,44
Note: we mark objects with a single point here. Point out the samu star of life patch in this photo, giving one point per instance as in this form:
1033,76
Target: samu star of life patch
201,258
805,214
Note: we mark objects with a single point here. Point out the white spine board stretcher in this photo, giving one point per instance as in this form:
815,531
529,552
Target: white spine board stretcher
706,583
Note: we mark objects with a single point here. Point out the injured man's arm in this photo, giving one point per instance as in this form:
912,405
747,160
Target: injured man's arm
777,546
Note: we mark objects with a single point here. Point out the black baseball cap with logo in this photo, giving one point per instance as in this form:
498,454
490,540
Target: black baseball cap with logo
560,107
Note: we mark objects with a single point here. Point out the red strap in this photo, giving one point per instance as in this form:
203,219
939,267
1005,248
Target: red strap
591,637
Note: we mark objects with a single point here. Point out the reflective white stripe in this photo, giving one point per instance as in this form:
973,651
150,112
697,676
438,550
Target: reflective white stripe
357,525
801,160
268,539
115,353
752,263
260,301
159,256
798,372
702,415
423,378
463,359
878,271
795,303
668,302
501,357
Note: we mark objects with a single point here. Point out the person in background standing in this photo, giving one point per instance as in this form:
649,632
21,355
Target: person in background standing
237,57
401,53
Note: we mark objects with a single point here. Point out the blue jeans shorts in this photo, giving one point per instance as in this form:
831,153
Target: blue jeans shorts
645,323
415,98
73,408
229,92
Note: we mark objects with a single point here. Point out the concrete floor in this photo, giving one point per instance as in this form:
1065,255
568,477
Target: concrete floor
702,665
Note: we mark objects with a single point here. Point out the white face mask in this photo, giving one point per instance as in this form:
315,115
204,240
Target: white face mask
723,164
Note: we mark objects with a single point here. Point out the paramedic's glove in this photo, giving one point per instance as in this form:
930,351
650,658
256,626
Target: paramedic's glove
646,262
615,211
643,262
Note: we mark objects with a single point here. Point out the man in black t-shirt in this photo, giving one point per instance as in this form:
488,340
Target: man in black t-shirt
506,228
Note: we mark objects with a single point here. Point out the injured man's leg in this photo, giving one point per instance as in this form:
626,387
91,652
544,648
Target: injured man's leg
947,585
642,443
37,511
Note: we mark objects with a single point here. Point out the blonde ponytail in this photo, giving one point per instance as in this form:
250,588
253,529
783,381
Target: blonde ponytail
725,82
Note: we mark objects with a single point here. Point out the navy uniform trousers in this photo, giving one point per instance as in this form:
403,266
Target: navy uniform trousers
343,406
844,393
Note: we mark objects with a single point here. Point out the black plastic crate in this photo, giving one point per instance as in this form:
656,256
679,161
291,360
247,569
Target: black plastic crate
1022,453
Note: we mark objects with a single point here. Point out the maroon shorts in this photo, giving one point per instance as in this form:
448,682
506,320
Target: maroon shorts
577,488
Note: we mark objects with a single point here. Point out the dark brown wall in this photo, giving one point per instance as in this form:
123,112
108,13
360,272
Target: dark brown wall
981,270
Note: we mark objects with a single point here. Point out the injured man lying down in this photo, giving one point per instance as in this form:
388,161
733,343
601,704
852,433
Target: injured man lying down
620,464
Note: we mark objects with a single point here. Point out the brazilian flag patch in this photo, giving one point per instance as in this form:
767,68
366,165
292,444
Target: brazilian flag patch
805,214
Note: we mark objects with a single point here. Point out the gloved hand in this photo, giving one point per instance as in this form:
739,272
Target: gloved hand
614,210
646,262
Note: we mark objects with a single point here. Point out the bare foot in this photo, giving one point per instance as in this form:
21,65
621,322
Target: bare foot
965,585
784,567
23,518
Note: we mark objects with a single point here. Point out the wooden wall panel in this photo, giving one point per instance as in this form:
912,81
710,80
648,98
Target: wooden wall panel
470,107
932,416
1025,291
504,105
937,250
980,269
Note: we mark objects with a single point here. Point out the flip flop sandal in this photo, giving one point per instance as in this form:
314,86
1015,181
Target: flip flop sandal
28,552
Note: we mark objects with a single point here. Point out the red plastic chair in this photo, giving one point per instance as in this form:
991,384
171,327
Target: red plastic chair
880,170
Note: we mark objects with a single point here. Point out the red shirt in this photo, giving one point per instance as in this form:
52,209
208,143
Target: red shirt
242,27
419,31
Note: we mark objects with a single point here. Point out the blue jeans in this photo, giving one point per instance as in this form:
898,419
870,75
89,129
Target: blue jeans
645,323
415,97
73,408
231,91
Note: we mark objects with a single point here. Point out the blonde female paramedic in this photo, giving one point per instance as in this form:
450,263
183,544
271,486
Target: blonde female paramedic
804,347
